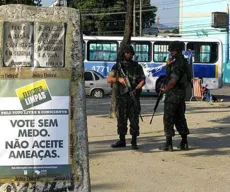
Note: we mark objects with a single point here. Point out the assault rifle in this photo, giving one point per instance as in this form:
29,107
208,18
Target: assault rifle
158,99
127,82
156,105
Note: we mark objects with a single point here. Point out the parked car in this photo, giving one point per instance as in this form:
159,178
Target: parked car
96,84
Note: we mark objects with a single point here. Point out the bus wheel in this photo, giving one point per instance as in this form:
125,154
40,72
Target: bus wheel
159,84
98,93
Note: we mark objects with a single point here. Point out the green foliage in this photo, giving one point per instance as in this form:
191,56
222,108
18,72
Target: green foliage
107,17
176,31
27,2
167,31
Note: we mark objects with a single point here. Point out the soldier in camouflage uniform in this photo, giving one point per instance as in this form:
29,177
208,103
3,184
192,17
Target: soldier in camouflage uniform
125,105
175,92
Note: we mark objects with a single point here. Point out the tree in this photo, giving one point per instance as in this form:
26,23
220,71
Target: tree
126,40
93,14
107,17
27,2
167,31
148,14
176,31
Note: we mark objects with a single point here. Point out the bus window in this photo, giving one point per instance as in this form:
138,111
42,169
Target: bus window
160,51
142,51
102,51
203,52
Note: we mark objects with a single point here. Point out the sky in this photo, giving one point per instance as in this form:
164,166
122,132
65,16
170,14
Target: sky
168,10
46,3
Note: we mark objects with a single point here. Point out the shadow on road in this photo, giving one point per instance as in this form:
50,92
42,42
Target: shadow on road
206,141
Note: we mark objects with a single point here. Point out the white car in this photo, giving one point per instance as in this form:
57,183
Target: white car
96,84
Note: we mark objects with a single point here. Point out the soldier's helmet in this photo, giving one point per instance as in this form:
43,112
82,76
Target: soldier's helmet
129,48
176,46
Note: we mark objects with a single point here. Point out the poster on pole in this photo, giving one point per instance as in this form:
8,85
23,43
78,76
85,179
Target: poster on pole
34,116
43,141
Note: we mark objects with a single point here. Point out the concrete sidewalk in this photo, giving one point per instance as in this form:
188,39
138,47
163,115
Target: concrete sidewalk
206,167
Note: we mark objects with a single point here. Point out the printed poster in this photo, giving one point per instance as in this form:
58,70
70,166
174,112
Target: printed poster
34,116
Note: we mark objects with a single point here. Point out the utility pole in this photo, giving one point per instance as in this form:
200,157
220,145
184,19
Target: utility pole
227,35
134,19
158,24
140,33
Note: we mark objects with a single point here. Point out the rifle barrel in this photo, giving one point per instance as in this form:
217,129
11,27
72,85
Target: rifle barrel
155,107
152,117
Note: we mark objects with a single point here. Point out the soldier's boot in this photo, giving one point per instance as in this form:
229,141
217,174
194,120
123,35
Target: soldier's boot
168,145
184,143
134,142
120,143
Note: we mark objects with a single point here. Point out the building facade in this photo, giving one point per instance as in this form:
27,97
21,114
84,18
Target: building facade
196,21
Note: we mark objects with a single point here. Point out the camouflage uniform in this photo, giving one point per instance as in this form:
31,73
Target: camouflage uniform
125,105
174,108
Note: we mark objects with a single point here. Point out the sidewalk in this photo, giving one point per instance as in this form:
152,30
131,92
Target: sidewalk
206,167
223,93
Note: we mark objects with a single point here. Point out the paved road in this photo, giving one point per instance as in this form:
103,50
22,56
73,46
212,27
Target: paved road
205,167
101,106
